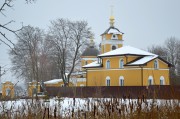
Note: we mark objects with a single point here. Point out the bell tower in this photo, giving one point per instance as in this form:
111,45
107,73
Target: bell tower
112,38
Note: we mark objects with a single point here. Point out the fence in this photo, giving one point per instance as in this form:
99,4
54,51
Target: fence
158,92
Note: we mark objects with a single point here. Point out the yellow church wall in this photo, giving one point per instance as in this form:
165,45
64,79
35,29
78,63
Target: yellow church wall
161,64
132,77
98,78
120,45
81,83
109,36
156,74
107,48
114,61
119,37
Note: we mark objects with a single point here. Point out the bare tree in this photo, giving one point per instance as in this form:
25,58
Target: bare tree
5,28
159,50
26,59
173,50
68,39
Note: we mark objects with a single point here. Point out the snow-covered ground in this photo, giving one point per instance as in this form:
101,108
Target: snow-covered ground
65,106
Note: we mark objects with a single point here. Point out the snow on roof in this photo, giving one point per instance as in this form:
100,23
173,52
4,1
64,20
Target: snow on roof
114,31
143,60
93,64
126,50
54,81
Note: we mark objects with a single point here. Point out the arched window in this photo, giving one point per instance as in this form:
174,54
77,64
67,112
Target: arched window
108,81
108,64
121,63
121,81
156,64
150,80
113,47
162,81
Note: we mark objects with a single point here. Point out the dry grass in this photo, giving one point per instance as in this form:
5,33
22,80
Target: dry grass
100,108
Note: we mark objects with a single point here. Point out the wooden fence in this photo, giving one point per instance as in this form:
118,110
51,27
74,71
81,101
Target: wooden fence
158,92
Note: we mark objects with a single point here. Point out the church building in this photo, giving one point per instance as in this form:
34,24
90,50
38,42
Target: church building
119,65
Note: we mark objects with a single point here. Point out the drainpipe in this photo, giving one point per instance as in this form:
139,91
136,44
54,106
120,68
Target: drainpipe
86,77
141,75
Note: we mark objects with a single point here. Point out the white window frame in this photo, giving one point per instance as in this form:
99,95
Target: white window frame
114,38
150,78
120,65
108,64
162,80
156,64
108,81
121,81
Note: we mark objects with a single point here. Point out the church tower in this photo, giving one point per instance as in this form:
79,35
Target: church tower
112,38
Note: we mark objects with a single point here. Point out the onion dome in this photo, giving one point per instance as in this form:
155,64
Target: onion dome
91,50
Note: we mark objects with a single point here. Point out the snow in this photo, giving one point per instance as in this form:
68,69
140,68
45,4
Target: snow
54,81
114,31
66,105
143,60
93,64
126,50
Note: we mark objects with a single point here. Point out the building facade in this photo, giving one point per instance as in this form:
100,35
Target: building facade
119,65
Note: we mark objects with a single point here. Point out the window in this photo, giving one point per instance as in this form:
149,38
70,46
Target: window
114,37
121,63
108,81
121,81
156,64
108,64
113,47
150,80
162,82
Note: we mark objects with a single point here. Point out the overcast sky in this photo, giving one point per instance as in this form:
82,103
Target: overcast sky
144,22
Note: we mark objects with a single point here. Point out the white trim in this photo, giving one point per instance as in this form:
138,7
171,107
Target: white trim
108,66
163,79
111,42
89,58
114,38
126,69
121,59
157,63
121,78
152,81
108,78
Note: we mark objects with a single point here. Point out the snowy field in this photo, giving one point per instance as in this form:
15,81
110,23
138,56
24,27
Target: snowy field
66,106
